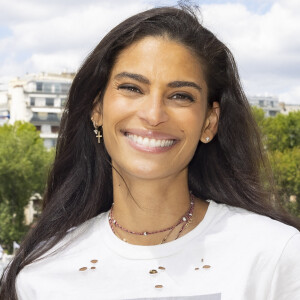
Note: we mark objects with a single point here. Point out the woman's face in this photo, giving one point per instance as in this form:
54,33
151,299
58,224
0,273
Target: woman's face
154,109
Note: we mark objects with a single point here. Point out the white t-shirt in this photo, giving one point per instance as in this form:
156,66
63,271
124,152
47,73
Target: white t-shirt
246,257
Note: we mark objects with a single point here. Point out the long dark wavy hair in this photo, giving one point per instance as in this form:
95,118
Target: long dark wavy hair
231,169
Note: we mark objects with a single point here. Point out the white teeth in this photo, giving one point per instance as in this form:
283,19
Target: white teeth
140,140
151,143
146,142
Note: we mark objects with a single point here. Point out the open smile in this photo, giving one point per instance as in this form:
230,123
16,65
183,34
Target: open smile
153,143
147,142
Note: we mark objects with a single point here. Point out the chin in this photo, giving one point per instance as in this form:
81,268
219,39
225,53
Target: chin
147,173
144,171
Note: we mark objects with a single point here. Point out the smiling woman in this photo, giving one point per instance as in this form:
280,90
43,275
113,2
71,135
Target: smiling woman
154,106
172,198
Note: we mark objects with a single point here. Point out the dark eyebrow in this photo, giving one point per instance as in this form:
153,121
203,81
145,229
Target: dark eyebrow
137,77
173,84
177,84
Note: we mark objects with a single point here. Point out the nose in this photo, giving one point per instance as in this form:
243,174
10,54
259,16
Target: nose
153,110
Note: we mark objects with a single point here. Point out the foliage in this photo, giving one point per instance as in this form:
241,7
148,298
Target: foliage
281,136
286,167
281,132
259,116
24,164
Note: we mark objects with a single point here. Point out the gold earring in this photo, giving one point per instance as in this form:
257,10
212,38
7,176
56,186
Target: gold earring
97,130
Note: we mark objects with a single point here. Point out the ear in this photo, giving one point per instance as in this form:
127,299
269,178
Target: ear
210,128
96,115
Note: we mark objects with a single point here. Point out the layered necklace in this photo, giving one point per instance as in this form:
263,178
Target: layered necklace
185,220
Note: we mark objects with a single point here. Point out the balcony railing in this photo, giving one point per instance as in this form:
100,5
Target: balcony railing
49,119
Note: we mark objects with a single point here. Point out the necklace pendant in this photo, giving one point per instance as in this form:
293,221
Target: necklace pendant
184,219
145,233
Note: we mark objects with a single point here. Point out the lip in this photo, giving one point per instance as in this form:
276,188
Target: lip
149,134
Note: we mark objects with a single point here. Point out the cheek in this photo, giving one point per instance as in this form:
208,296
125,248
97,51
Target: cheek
193,123
114,108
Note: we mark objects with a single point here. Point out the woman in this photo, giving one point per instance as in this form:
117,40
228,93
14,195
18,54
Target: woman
126,213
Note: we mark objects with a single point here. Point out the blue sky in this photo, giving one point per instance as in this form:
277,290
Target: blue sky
56,35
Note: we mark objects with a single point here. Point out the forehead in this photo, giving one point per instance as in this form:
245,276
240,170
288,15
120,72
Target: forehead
159,57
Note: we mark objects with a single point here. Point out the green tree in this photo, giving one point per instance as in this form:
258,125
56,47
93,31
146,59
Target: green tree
259,116
282,131
286,169
24,164
281,137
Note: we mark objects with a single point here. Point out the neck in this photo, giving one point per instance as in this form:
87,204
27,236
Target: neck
149,205
143,200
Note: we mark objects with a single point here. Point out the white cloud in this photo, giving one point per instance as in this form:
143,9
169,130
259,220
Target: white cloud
291,95
56,35
59,34
54,62
266,46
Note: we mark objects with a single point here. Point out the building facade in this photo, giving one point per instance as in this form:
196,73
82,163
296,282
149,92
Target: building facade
4,105
269,104
287,108
40,100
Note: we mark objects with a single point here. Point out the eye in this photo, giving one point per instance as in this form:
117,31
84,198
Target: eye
183,97
130,88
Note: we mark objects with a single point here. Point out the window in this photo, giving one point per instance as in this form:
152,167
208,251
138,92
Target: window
39,86
65,87
38,128
54,129
57,87
53,87
42,115
32,102
54,117
49,101
47,87
261,103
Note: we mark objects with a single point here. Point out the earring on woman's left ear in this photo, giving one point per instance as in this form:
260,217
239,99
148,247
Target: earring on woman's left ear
97,130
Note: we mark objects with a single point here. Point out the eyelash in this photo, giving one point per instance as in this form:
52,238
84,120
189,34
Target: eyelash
185,97
134,89
129,88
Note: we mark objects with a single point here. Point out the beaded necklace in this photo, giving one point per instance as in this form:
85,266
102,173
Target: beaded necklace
186,219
